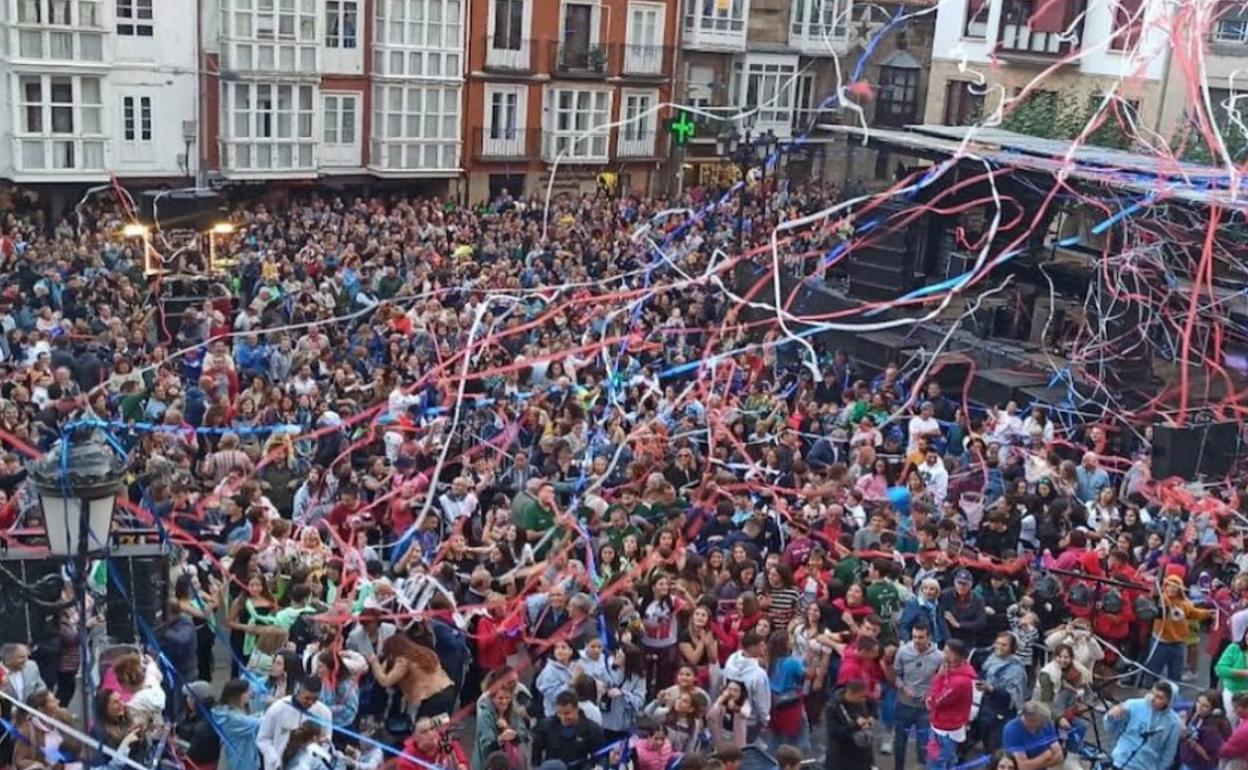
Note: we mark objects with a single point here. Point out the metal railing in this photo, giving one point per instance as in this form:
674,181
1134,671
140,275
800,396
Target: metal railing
1015,35
503,54
636,144
505,143
578,59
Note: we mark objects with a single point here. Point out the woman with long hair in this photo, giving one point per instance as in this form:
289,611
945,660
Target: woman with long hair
34,732
417,673
698,645
117,730
239,726
501,724
729,717
780,596
787,676
1203,735
304,750
660,618
285,670
625,690
247,616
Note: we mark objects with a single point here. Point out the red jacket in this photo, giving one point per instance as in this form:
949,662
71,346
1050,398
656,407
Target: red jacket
949,702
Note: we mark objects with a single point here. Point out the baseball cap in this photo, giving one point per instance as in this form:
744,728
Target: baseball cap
963,576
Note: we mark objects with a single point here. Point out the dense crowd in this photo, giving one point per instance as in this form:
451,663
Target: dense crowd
508,487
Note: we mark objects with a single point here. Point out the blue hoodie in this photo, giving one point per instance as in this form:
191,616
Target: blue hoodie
1146,738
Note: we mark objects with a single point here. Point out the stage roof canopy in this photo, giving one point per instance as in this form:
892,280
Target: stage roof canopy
1145,174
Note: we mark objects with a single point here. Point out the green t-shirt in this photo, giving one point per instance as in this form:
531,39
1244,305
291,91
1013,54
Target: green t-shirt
885,599
616,535
536,518
847,570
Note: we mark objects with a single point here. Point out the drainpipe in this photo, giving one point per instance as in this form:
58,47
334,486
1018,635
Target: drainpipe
676,155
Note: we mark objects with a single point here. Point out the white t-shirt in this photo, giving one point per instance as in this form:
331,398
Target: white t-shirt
921,427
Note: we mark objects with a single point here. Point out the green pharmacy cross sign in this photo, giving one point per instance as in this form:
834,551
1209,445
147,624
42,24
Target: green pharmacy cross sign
683,128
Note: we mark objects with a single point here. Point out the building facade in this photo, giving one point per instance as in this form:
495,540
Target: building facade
563,95
763,64
94,88
306,89
1217,36
986,52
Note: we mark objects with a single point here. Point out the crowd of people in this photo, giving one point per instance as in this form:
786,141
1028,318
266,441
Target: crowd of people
511,488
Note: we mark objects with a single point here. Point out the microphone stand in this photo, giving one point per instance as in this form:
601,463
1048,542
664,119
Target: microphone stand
1145,737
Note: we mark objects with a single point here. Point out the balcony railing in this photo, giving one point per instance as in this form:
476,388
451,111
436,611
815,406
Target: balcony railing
575,146
1018,39
579,59
502,55
636,144
505,143
646,60
806,118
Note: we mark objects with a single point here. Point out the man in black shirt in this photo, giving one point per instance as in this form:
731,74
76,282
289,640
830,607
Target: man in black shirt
567,736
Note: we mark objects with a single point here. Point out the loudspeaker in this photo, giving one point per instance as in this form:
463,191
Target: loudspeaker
26,621
195,210
1210,449
879,349
143,572
994,387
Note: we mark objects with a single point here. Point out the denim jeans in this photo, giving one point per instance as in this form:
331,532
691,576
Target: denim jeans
945,756
1166,660
908,718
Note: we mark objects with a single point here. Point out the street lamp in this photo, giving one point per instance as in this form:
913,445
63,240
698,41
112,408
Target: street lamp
220,228
141,231
77,483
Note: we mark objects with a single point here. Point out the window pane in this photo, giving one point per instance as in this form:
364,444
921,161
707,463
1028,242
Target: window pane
32,155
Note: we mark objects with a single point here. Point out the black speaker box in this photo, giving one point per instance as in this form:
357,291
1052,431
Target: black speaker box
879,349
1210,449
143,572
995,387
25,621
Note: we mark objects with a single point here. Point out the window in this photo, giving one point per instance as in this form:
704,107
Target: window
578,120
59,115
134,17
508,25
504,118
1128,22
644,53
136,118
339,117
418,38
415,127
1232,28
817,20
341,23
637,133
716,16
898,97
805,112
268,125
270,35
976,19
964,103
32,104
57,29
701,85
767,86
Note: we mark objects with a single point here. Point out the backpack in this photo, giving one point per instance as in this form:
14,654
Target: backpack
1080,596
1146,609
